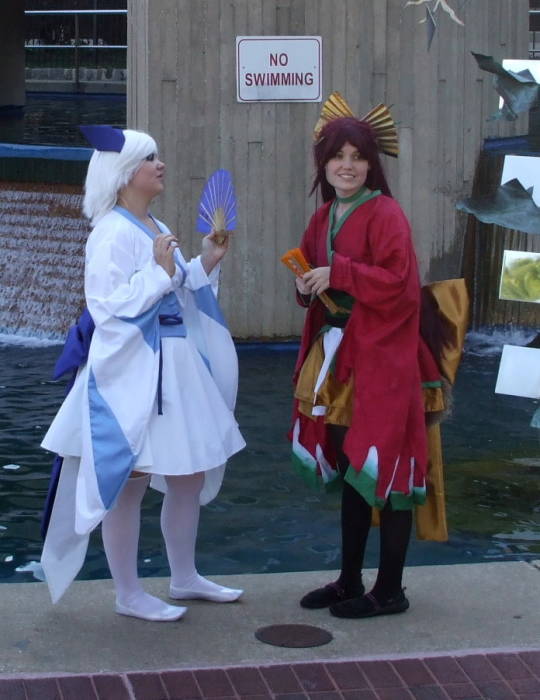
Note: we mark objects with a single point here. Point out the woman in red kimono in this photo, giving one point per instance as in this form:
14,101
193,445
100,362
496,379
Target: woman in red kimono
359,411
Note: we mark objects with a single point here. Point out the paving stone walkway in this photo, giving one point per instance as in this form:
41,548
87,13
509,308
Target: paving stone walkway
498,676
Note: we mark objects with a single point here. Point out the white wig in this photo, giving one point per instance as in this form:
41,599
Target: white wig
109,171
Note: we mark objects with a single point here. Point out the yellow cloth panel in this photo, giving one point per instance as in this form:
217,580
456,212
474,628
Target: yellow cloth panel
430,519
453,300
336,396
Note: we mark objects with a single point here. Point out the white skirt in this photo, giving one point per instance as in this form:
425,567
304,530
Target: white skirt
197,431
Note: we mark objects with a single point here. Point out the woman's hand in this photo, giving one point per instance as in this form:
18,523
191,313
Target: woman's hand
317,280
214,247
164,247
302,287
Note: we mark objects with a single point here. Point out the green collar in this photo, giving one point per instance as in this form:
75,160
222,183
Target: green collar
357,199
353,197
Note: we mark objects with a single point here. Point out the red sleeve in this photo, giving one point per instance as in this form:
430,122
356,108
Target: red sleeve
305,247
382,282
310,245
303,300
308,242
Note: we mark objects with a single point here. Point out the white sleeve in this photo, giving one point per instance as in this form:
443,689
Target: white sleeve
113,285
179,277
197,277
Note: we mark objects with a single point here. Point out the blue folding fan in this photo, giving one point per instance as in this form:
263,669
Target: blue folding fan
217,207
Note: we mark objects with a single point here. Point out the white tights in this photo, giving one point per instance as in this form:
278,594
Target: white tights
120,532
179,523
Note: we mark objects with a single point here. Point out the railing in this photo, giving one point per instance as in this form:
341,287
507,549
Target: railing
83,48
534,36
534,45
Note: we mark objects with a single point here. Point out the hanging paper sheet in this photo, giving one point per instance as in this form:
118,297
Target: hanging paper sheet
519,372
520,276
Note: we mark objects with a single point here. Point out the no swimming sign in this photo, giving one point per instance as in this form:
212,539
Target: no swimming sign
278,68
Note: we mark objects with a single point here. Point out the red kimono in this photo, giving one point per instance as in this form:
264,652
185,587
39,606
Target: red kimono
375,263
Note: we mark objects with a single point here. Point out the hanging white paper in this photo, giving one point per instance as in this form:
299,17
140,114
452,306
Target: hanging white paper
519,372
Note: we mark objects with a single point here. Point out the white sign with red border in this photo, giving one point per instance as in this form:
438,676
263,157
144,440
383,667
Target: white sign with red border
278,68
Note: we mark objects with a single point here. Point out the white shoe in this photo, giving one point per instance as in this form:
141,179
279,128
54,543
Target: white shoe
166,613
203,589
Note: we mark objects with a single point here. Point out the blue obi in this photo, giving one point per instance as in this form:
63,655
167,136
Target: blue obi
171,324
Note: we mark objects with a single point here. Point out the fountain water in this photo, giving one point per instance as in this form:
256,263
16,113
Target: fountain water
42,238
264,520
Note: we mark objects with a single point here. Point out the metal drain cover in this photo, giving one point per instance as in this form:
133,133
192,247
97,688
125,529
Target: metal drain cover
294,636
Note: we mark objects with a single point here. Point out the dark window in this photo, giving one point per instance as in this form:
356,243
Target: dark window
60,29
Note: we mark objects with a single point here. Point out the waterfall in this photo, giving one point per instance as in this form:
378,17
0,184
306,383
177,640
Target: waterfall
42,238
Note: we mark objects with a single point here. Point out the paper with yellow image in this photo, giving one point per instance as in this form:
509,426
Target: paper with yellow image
520,276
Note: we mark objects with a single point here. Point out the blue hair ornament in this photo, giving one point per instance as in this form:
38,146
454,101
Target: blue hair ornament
104,137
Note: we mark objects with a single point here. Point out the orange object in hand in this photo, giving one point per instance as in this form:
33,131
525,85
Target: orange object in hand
294,259
296,262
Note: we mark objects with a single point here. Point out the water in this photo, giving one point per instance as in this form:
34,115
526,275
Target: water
50,119
265,519
41,292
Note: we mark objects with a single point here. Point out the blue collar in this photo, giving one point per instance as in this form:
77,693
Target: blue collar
134,220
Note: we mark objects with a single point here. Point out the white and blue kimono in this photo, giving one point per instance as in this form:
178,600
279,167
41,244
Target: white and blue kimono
156,394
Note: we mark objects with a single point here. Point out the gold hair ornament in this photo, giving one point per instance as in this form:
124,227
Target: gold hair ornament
379,118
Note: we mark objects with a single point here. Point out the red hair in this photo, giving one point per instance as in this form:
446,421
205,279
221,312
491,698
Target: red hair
331,139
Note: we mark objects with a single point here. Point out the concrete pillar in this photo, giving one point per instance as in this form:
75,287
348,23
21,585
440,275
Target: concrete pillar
12,91
138,59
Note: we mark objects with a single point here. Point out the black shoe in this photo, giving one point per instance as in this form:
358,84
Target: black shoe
369,606
327,595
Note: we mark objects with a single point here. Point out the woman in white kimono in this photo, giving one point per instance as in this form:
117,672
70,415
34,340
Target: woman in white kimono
154,399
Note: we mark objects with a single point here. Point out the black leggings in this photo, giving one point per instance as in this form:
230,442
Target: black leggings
395,533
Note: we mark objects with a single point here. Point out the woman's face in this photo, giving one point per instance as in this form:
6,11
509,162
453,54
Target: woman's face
347,170
148,179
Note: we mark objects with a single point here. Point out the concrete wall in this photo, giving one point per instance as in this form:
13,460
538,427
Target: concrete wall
12,54
181,73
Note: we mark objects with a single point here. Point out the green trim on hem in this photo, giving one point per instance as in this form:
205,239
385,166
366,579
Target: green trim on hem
401,501
419,496
313,479
366,487
363,483
437,384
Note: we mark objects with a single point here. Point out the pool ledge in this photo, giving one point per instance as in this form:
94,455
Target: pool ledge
14,150
454,609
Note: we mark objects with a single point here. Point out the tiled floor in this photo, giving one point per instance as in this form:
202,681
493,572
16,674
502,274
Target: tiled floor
499,676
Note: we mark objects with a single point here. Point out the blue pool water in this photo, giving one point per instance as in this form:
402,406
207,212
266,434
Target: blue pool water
52,119
265,519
